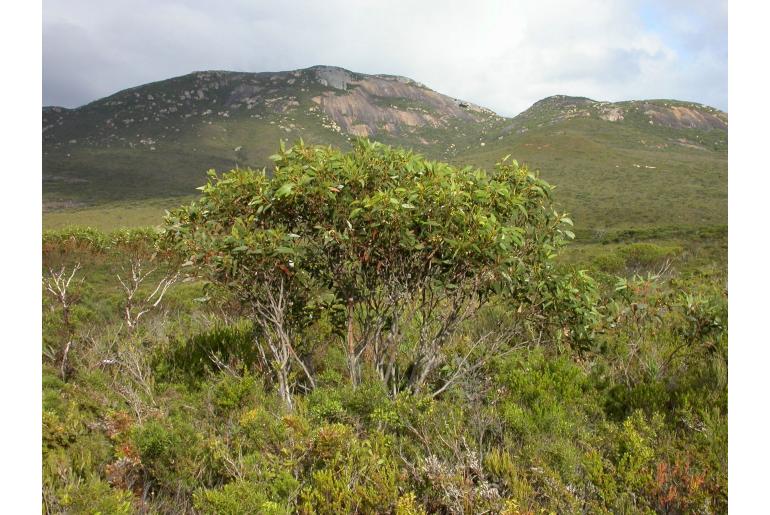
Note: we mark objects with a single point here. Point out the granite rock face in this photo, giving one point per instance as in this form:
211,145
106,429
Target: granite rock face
368,105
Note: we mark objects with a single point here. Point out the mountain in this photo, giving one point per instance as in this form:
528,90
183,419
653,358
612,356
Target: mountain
159,138
625,164
628,163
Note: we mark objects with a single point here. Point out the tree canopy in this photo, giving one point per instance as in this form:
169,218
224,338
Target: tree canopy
398,251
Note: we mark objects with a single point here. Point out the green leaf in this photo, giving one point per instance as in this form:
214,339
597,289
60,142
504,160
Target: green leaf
284,190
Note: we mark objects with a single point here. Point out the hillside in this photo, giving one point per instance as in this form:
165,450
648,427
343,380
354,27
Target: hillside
354,340
277,374
160,138
624,164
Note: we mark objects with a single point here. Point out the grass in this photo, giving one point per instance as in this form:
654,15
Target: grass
609,179
114,215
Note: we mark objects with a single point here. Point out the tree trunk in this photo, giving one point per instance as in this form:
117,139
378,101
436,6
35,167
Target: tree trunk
283,386
353,365
423,366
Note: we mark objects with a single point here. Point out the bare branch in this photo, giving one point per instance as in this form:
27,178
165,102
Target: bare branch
133,312
58,286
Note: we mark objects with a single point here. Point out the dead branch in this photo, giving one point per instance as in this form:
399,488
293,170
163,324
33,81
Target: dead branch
57,284
492,342
134,310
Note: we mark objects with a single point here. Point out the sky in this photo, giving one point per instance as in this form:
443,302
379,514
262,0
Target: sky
504,55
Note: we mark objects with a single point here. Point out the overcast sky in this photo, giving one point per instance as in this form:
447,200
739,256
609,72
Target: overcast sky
504,55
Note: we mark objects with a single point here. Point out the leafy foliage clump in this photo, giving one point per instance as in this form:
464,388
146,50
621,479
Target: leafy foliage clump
396,251
338,352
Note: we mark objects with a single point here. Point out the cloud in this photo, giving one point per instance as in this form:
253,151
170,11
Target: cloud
504,55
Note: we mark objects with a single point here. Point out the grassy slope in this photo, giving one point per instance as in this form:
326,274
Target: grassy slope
552,417
609,175
594,169
112,215
92,173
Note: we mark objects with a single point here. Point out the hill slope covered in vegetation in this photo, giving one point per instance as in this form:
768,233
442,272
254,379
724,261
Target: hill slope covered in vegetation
373,332
618,165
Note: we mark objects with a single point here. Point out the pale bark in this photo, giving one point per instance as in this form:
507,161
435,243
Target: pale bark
133,311
58,286
271,310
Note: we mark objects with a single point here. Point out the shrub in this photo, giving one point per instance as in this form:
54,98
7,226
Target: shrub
96,496
646,255
156,443
233,392
362,237
262,429
191,357
239,497
610,263
348,475
325,404
407,505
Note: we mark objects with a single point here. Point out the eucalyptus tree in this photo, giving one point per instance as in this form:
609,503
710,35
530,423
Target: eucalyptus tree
399,250
230,236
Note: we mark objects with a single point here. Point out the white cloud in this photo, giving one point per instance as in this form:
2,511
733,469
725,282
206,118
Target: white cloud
503,55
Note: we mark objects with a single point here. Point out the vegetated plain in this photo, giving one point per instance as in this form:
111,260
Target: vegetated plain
607,394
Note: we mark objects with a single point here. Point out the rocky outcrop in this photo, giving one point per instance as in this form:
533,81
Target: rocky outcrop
683,117
370,105
241,93
611,114
333,77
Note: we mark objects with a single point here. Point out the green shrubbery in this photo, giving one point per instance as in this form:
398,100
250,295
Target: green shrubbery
561,393
636,257
96,496
238,497
395,251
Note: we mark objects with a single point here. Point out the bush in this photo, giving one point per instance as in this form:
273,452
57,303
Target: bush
262,429
156,443
96,496
325,404
610,263
189,358
347,474
360,238
646,255
239,497
230,392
